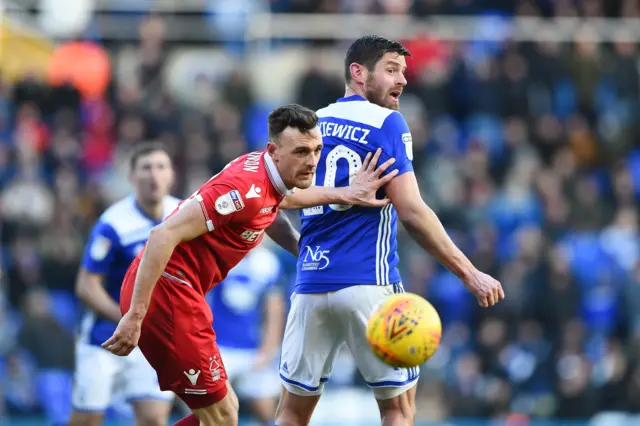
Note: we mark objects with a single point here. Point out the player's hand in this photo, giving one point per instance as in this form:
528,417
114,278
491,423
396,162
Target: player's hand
369,179
126,336
487,290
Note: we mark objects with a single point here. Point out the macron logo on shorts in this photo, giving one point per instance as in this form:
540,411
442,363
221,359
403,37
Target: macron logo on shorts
192,375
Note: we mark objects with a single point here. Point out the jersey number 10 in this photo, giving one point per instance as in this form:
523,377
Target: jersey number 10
354,161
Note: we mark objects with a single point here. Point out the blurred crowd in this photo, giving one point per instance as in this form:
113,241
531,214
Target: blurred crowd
529,153
420,8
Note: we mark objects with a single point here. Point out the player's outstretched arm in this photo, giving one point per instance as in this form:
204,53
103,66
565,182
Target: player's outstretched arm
284,234
186,224
361,191
424,226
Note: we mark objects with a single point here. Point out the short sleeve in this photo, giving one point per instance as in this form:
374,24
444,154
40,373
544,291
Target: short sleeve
398,141
223,204
100,249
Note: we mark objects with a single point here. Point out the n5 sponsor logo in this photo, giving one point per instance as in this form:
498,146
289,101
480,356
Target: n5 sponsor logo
251,236
315,260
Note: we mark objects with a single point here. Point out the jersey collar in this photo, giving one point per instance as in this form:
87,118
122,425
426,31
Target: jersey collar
274,176
145,214
351,98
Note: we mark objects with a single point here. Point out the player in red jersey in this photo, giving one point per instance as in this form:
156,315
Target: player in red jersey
162,296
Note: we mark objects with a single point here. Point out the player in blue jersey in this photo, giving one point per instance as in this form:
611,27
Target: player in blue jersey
348,254
115,240
249,316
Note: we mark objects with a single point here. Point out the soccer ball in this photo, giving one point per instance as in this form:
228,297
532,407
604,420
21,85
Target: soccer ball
404,331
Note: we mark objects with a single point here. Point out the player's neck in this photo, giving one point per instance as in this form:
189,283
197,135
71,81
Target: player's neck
153,210
350,91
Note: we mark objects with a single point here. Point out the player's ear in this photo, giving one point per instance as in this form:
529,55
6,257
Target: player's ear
272,149
358,73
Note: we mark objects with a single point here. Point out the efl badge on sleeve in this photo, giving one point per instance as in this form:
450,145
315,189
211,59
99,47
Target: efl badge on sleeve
100,248
408,145
229,203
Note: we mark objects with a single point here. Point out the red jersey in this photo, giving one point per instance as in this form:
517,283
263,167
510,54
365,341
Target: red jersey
238,203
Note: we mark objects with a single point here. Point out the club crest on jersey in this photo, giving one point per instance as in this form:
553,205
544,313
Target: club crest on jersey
229,203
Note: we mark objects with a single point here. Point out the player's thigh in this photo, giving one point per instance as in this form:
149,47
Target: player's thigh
221,413
93,380
310,344
353,307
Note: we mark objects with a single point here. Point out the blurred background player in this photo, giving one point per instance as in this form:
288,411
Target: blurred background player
249,317
117,237
348,255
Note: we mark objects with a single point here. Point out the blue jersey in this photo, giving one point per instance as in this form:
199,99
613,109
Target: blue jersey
120,233
237,301
341,246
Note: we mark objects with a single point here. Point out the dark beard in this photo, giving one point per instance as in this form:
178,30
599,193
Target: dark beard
374,96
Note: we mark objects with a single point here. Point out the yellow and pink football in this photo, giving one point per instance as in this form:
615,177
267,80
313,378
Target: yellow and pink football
404,331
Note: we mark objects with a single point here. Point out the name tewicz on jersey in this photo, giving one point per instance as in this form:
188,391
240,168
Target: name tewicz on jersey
342,245
238,203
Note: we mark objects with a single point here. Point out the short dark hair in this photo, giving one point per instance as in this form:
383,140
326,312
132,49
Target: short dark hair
292,115
368,50
143,148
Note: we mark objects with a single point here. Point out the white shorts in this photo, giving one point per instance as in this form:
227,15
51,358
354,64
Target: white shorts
101,375
246,381
318,324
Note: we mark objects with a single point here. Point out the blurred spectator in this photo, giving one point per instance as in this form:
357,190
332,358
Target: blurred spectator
52,349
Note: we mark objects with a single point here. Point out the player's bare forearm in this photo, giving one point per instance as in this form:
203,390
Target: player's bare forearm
284,234
274,324
90,290
426,229
361,190
315,196
424,226
154,260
